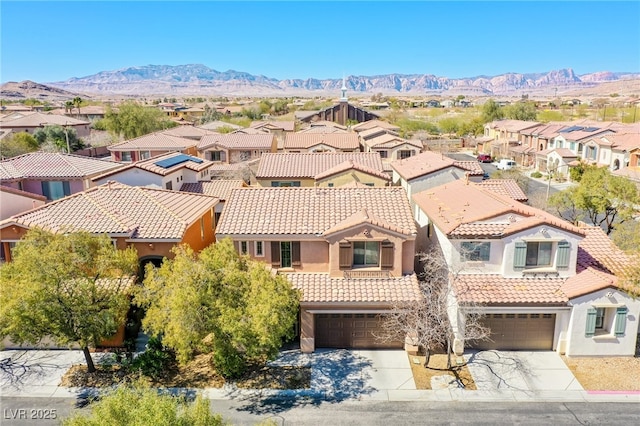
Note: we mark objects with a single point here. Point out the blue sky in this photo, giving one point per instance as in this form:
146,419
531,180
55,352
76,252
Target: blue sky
53,41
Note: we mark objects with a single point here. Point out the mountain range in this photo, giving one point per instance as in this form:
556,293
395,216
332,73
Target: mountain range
196,79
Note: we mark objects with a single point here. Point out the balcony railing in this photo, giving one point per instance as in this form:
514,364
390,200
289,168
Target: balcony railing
366,274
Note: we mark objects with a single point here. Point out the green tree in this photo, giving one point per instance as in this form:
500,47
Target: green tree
132,120
140,405
448,125
218,302
549,115
601,198
473,127
68,107
71,287
77,102
17,144
57,136
491,111
525,111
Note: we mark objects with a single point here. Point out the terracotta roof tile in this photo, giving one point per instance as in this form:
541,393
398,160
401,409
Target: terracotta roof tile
375,132
309,165
155,141
38,119
351,165
310,211
391,141
473,167
459,204
237,141
219,188
320,288
374,123
190,132
422,164
497,290
151,165
287,126
37,165
506,187
342,141
114,208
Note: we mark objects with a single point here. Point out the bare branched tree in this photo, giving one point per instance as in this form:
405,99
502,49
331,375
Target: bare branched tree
434,322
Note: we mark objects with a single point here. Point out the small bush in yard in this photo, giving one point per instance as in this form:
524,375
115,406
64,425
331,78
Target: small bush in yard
154,360
536,175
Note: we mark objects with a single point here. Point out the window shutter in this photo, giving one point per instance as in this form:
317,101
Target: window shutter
621,321
345,255
520,255
591,322
223,156
295,253
386,256
66,188
275,254
564,252
45,190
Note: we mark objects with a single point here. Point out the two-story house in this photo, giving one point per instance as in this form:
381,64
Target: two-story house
321,142
168,171
236,147
538,279
331,169
52,175
349,250
151,145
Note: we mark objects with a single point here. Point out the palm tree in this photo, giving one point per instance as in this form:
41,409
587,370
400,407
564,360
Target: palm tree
68,107
77,101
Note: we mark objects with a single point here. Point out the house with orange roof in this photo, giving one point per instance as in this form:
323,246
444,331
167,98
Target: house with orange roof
236,147
168,171
151,145
506,134
360,127
543,283
52,175
391,147
323,127
330,169
188,132
31,121
218,188
614,149
349,250
153,221
321,142
430,169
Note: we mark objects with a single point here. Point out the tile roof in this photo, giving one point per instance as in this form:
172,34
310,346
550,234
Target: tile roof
114,208
473,167
376,131
42,165
344,141
237,141
190,132
151,165
287,126
464,209
390,141
506,187
309,165
374,123
321,288
154,141
215,125
351,165
495,289
38,119
421,164
310,211
322,129
623,141
564,153
219,188
513,126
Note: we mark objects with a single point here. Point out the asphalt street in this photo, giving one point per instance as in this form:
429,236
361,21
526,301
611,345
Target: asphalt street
25,411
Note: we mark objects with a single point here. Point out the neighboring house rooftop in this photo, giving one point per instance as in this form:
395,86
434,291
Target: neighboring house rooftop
114,208
287,126
506,187
313,211
421,164
190,132
237,141
309,165
38,119
374,123
497,290
351,165
389,140
321,288
465,210
155,141
215,125
43,165
219,188
622,141
342,141
163,164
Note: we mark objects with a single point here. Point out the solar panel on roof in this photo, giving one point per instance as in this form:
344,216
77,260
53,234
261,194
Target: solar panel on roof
571,129
182,158
591,129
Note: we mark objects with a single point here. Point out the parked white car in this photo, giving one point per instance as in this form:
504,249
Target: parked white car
506,164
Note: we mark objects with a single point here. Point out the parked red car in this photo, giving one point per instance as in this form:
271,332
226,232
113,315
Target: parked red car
484,158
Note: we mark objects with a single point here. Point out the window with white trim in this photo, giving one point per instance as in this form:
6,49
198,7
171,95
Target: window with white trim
258,248
244,247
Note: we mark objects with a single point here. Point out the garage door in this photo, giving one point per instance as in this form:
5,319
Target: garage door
351,331
519,332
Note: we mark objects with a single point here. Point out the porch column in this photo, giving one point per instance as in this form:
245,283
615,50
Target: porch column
307,332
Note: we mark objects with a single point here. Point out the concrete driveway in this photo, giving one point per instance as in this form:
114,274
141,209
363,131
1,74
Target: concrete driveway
520,371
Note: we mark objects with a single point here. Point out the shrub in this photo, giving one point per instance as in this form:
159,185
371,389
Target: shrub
536,175
154,360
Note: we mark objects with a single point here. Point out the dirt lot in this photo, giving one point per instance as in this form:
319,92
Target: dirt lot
437,367
606,373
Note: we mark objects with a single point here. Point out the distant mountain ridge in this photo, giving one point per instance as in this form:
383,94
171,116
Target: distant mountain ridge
198,79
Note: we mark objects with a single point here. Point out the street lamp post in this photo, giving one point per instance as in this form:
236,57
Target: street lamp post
66,136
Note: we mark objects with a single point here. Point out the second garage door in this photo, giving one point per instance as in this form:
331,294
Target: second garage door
519,332
351,331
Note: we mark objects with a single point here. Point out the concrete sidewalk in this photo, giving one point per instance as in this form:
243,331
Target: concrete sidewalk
337,375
